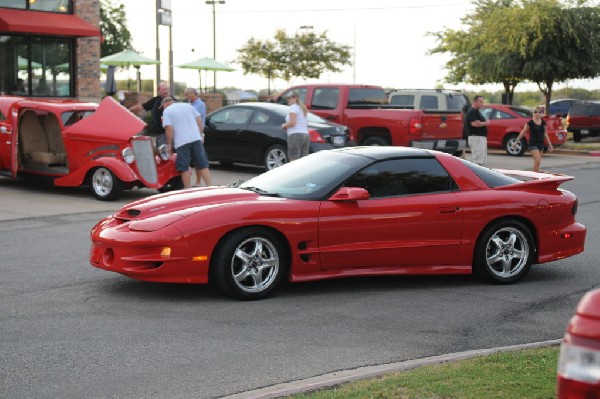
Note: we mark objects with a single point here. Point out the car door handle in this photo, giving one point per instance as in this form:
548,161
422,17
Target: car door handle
330,117
448,210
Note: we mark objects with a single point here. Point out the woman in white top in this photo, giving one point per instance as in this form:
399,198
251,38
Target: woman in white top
296,124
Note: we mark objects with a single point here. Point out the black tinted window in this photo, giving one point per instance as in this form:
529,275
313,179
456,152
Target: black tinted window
403,99
585,109
325,98
367,96
429,102
455,101
402,177
490,177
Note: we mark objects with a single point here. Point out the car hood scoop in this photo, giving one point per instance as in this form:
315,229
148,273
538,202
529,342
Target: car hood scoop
183,202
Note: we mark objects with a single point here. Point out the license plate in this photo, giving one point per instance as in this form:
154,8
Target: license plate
339,140
585,131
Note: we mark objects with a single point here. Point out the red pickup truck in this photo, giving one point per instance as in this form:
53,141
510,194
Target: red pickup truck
373,121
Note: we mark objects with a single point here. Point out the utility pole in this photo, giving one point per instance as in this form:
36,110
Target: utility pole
214,12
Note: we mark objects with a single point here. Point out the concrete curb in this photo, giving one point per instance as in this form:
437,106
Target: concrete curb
361,373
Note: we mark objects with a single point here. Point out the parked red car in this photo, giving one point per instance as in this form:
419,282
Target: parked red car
507,121
74,144
357,211
579,360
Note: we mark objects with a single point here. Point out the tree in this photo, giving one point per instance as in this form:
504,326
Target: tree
304,54
476,58
541,41
556,42
115,35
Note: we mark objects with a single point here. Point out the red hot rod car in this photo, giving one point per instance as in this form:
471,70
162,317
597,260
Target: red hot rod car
77,144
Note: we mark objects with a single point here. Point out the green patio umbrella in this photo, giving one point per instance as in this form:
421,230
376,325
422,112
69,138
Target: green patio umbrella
129,58
24,61
206,64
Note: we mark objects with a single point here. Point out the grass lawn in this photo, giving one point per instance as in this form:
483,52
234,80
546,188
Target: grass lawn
527,374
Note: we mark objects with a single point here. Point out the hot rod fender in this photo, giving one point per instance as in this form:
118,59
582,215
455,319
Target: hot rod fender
121,169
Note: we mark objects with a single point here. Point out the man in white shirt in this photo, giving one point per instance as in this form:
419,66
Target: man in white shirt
183,126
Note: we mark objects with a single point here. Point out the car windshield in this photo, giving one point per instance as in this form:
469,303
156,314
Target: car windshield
71,117
313,177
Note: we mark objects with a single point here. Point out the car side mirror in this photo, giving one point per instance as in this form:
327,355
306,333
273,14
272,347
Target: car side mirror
350,194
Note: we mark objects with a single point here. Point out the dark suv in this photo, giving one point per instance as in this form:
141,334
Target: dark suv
584,119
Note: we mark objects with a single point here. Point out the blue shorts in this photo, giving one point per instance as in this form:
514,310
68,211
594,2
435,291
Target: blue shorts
536,147
191,154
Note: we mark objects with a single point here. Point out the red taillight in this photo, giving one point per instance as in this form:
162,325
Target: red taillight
415,126
315,137
579,359
578,371
568,120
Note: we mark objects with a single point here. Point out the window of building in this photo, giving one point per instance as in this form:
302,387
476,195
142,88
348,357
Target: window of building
35,66
63,6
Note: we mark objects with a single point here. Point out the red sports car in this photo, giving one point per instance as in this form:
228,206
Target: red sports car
507,121
579,360
355,211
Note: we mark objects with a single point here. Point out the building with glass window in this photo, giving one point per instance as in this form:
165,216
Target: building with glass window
50,48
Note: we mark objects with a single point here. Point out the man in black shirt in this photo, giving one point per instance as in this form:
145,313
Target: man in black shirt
154,107
477,128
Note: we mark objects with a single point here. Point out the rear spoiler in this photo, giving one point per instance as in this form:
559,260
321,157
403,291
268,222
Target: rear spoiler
536,180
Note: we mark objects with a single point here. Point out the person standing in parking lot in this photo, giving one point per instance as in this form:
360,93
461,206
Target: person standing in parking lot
296,125
191,95
477,126
537,136
156,111
183,127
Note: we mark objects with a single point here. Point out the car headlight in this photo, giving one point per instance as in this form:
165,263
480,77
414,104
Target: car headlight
128,155
163,152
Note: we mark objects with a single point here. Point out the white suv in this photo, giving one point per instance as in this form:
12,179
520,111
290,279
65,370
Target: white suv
429,99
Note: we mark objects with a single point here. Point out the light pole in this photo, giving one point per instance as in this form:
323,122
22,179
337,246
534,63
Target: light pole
213,3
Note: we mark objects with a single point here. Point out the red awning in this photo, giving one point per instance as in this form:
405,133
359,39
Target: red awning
45,23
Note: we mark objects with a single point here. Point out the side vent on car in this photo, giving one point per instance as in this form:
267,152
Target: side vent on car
304,256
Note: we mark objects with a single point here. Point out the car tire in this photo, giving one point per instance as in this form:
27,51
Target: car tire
275,156
175,183
249,264
376,141
105,185
515,152
504,252
577,136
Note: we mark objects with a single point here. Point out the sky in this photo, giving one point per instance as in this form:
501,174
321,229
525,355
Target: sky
389,39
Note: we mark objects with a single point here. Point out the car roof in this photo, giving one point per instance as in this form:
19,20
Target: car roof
262,105
385,152
563,99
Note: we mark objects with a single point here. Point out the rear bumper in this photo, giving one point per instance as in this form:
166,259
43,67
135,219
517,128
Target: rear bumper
450,146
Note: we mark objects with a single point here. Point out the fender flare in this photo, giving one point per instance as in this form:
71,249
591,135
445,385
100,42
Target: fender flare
121,170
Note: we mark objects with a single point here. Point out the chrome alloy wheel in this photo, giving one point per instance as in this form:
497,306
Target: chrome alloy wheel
275,158
507,252
255,264
102,182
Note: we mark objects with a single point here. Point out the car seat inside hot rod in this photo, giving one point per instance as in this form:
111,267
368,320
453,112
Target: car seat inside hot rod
39,145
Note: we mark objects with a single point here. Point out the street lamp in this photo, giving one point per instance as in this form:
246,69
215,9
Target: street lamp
213,3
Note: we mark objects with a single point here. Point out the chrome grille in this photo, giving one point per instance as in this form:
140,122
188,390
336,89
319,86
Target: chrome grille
144,159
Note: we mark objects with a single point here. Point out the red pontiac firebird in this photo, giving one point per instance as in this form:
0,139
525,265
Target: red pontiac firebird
355,211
